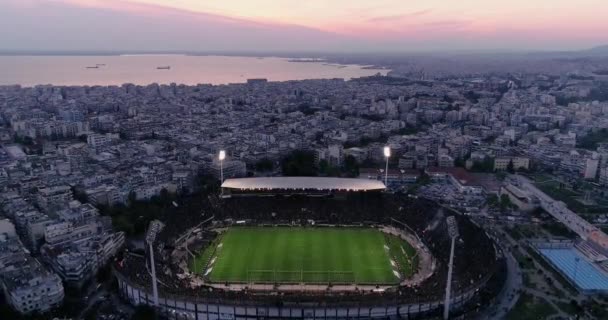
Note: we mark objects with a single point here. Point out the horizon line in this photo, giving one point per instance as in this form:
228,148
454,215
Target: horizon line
254,52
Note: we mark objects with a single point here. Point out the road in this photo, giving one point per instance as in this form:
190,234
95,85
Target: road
510,293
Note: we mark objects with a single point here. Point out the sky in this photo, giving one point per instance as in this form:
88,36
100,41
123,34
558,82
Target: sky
302,25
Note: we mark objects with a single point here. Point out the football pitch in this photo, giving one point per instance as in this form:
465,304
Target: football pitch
306,255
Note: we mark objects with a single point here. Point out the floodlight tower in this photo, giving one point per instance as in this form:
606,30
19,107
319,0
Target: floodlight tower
221,157
387,154
453,233
154,228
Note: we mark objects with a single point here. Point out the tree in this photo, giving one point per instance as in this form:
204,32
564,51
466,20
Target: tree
208,184
472,96
510,167
493,200
487,165
132,196
591,140
122,223
264,165
80,195
351,166
505,202
323,166
424,179
299,163
143,312
165,196
326,169
27,141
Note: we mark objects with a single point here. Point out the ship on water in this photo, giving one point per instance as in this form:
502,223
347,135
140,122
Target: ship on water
163,67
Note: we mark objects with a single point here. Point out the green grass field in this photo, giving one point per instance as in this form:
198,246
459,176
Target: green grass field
309,255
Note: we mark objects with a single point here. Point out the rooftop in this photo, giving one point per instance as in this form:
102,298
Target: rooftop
314,183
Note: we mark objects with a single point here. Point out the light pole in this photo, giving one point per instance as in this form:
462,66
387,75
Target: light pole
387,154
453,233
222,156
154,229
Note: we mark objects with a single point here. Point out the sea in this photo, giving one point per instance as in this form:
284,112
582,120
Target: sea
163,69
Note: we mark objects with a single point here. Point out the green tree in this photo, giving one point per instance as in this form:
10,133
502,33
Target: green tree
80,195
264,165
487,165
27,141
351,166
132,196
122,223
299,163
510,167
459,162
493,200
323,167
505,202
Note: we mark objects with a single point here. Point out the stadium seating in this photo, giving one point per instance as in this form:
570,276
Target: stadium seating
476,259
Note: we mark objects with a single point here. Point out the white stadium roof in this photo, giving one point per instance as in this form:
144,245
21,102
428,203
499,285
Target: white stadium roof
295,183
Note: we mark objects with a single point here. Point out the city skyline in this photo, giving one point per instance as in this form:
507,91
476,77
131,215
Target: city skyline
357,26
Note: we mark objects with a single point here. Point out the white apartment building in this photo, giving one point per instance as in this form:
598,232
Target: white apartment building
26,285
67,231
592,166
105,195
502,163
98,140
49,197
231,168
32,289
334,155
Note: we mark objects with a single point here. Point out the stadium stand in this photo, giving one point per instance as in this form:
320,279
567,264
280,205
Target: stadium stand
477,262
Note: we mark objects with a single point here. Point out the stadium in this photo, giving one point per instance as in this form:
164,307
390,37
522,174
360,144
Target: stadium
311,248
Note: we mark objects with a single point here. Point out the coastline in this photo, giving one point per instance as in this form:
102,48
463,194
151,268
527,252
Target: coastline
183,69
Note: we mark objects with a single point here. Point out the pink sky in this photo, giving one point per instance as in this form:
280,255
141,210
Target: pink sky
386,24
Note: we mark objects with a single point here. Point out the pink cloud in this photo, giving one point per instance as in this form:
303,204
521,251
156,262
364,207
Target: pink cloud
354,25
400,17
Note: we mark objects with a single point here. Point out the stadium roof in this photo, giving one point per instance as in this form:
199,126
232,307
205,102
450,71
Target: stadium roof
312,183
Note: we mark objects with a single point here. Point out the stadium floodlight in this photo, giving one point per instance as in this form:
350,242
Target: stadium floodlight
453,233
222,156
387,154
452,227
154,229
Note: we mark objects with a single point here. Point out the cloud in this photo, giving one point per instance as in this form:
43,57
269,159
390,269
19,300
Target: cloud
129,25
149,9
122,25
448,23
399,17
